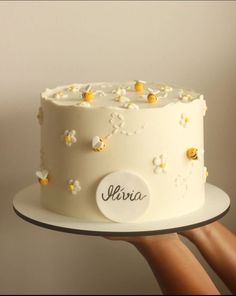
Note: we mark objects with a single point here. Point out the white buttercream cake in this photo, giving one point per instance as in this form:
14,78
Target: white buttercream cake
123,152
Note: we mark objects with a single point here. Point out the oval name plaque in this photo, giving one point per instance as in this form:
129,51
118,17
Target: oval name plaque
123,196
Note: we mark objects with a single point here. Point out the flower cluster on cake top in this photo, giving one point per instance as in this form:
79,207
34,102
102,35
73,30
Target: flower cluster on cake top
132,95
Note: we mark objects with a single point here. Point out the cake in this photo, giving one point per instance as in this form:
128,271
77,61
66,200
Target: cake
125,152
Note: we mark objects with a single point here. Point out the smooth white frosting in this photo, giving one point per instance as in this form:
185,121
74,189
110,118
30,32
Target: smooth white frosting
136,139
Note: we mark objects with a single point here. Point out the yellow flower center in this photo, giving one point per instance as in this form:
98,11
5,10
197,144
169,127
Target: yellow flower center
68,138
162,165
72,187
186,120
206,173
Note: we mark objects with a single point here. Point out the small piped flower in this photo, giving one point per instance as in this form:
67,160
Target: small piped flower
192,153
100,93
184,97
42,177
60,95
160,164
98,144
119,91
120,95
123,99
69,137
88,94
166,88
84,104
205,173
184,120
132,106
74,186
139,85
73,88
152,96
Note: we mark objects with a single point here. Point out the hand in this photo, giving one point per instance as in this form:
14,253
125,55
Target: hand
217,244
172,263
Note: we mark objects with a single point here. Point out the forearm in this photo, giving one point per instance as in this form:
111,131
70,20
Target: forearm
175,268
218,245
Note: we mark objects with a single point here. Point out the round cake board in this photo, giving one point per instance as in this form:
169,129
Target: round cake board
26,204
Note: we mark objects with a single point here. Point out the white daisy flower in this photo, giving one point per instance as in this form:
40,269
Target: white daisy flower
132,106
120,95
74,186
100,93
160,164
69,137
185,97
84,104
165,88
184,120
123,99
60,95
153,92
73,88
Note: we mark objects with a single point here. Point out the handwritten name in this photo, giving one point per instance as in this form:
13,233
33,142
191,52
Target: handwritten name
119,193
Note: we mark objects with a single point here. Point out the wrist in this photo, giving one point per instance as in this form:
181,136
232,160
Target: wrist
199,234
155,241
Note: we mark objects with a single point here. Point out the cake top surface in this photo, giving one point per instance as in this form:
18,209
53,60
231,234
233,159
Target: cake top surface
134,95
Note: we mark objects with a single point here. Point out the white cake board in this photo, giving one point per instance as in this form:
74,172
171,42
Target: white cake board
27,205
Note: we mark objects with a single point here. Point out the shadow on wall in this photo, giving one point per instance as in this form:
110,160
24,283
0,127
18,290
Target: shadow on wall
19,147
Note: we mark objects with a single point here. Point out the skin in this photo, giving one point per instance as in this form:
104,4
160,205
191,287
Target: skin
174,266
218,246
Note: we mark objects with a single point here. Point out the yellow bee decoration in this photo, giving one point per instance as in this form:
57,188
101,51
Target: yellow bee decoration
139,85
192,153
152,96
98,144
88,94
42,177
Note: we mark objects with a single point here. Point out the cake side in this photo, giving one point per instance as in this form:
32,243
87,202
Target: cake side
80,146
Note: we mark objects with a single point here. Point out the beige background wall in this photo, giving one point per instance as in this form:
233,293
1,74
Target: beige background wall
45,44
